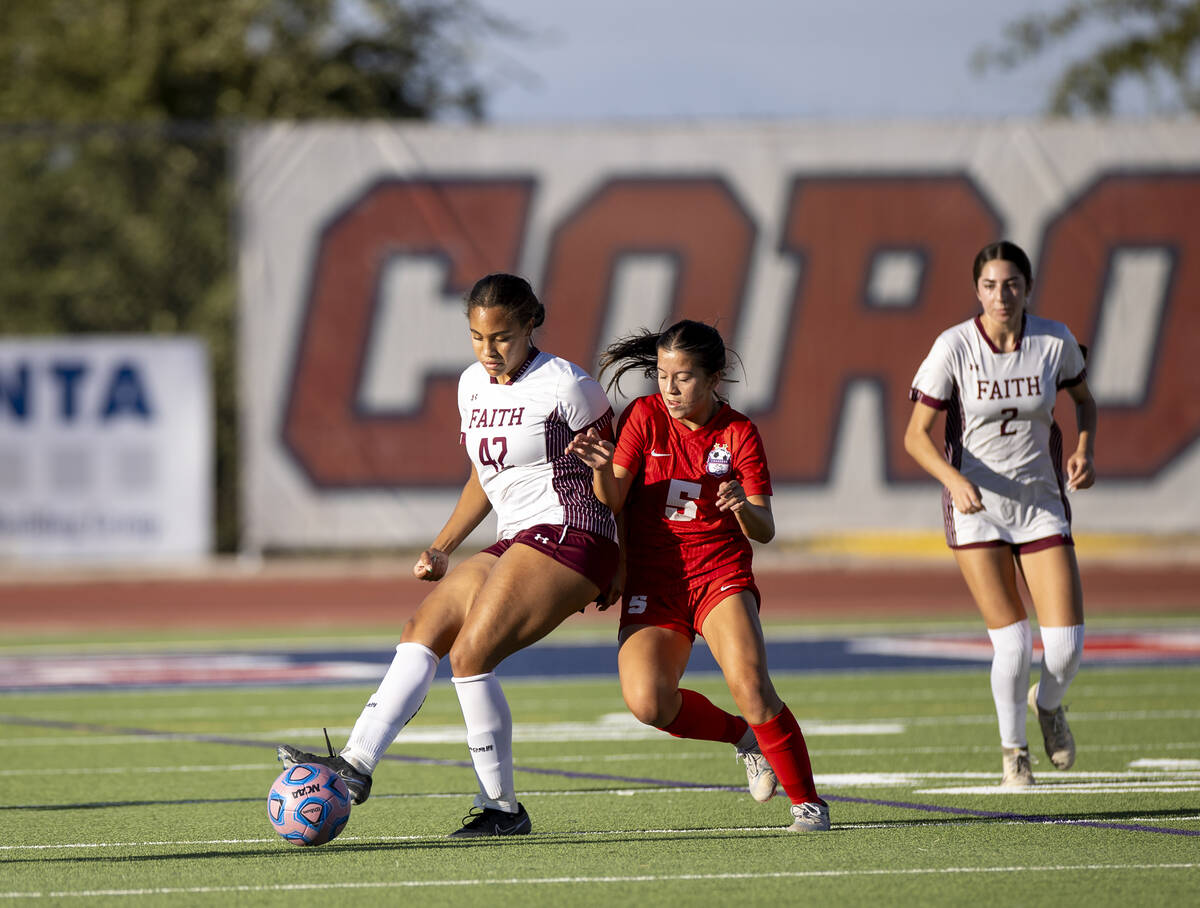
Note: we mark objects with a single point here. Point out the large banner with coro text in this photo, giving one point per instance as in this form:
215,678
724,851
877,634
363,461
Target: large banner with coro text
829,255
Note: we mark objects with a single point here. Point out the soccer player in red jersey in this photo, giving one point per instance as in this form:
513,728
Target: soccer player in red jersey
689,478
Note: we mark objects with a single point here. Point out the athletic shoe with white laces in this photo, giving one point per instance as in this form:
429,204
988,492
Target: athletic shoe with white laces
760,777
1018,772
1056,733
492,822
810,816
358,783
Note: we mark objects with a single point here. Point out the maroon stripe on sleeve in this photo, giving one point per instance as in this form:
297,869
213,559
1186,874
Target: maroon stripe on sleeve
917,397
1072,382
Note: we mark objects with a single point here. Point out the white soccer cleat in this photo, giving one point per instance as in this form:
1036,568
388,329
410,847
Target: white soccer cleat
1018,772
1056,733
760,777
811,816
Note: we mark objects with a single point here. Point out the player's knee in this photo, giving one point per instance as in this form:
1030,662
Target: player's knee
470,656
1012,645
648,707
410,634
1061,652
755,697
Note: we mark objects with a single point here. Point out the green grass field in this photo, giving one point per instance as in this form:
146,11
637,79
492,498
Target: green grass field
159,797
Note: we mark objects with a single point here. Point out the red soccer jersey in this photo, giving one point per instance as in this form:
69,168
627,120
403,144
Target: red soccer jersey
676,536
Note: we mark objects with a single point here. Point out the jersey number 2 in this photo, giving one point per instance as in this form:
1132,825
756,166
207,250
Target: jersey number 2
1009,414
681,500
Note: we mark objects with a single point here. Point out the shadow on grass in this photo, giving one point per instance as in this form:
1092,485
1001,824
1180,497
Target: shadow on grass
284,851
1108,816
102,805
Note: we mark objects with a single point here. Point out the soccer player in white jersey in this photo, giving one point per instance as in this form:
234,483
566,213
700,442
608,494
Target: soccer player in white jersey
1004,501
556,551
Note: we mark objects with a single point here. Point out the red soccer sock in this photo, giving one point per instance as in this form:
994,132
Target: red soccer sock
703,720
782,743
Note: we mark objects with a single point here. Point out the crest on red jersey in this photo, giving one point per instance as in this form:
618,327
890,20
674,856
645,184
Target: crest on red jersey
717,463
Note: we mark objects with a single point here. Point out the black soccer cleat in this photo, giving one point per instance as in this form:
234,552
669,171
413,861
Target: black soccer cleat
358,783
492,822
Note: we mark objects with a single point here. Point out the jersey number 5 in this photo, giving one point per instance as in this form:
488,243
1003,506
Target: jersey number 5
485,456
681,500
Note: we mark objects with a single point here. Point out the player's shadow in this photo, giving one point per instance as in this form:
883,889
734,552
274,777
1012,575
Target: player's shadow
1137,818
102,805
282,851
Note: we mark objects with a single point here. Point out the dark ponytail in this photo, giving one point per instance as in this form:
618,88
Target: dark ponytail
639,351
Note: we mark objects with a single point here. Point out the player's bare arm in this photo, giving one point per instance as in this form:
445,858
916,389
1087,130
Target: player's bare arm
1081,471
918,442
610,481
472,507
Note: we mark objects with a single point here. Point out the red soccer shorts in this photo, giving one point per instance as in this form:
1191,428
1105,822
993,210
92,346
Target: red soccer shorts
684,610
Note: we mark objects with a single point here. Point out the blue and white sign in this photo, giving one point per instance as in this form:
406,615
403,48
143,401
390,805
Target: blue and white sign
106,448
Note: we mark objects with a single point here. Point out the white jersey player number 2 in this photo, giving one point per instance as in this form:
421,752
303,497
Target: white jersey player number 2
681,500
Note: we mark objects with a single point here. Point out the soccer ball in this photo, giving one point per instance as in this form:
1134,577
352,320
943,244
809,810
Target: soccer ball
308,804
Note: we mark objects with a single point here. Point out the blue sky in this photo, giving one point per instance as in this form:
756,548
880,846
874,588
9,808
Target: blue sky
697,59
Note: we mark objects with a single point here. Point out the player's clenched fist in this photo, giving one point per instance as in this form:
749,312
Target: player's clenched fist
431,565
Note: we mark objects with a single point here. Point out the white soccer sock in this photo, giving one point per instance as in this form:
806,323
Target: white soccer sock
1062,648
489,737
400,695
1013,654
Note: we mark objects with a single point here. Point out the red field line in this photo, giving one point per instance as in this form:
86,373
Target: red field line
337,596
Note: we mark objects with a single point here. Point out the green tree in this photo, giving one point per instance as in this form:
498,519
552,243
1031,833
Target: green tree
1156,42
115,121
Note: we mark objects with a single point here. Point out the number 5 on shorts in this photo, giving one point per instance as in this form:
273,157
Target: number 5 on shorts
637,605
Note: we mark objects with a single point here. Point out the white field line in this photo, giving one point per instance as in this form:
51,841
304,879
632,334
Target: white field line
940,822
577,880
982,749
1111,716
1132,693
98,740
1177,765
1098,788
609,727
1147,775
623,727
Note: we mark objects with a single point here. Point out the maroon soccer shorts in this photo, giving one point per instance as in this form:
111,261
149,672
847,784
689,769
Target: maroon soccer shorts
595,557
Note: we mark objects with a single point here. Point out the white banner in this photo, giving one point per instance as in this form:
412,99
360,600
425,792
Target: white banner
105,448
830,256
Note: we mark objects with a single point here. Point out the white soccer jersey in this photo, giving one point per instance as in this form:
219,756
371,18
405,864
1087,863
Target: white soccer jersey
516,435
1000,428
